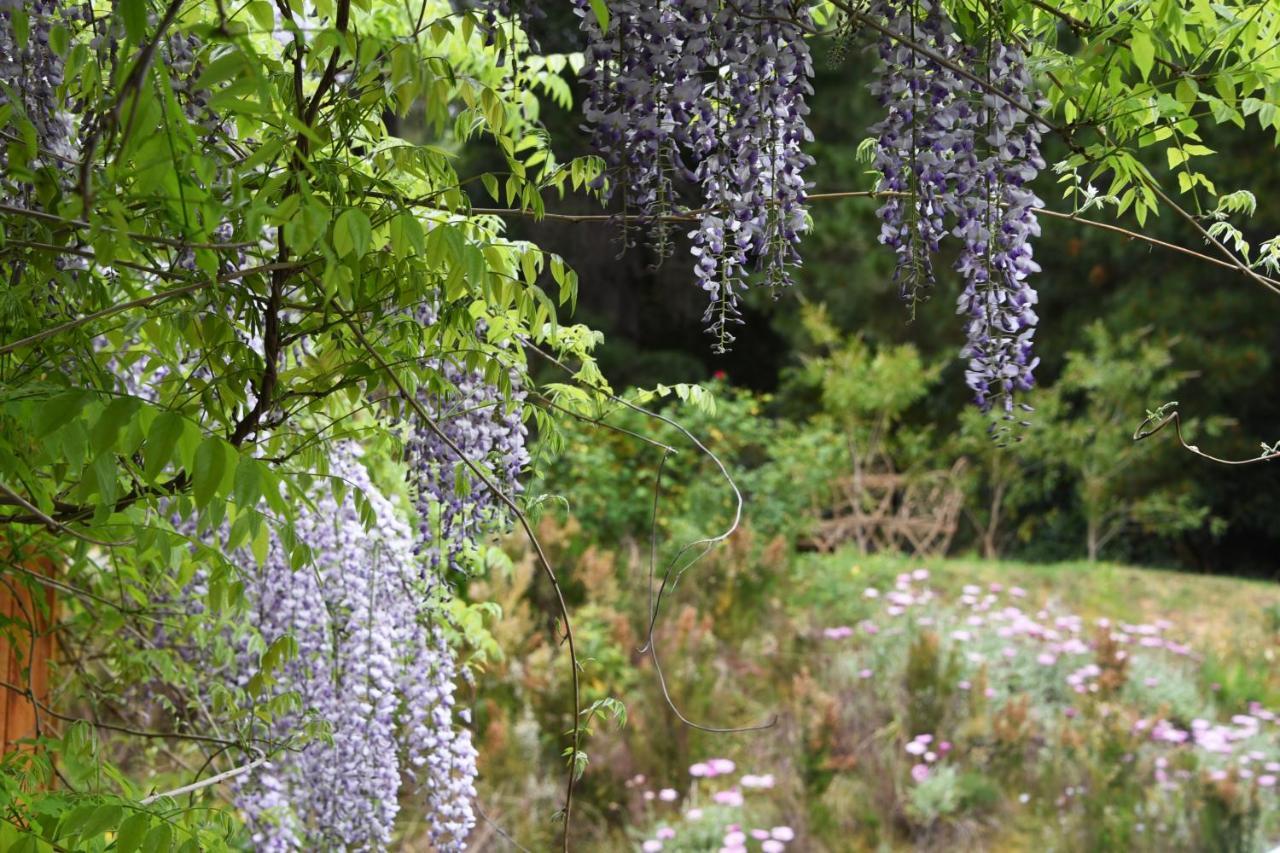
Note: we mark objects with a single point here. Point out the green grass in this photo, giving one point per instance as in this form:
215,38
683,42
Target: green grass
1215,614
1233,624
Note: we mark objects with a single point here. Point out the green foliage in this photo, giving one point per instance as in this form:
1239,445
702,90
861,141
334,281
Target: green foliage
1087,421
247,274
607,468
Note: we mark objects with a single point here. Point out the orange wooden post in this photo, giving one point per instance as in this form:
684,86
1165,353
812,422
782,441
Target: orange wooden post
27,610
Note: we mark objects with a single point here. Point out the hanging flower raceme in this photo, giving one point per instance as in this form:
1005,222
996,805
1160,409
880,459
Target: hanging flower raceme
957,151
30,73
713,93
372,664
916,142
996,220
748,143
456,508
633,75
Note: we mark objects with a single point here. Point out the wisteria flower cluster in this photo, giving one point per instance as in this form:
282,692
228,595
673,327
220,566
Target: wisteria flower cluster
372,664
927,124
455,507
35,71
711,93
956,151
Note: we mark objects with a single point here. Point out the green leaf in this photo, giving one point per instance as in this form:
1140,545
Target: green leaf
351,233
210,464
306,226
248,485
54,413
263,14
131,833
104,475
161,441
225,67
103,818
111,421
158,840
602,14
406,235
1144,51
28,843
134,13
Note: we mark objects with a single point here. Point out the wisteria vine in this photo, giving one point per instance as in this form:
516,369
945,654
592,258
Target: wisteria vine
956,154
706,94
366,615
712,94
373,665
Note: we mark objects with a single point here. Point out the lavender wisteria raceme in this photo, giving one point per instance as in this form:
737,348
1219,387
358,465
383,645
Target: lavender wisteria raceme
958,156
917,141
996,220
709,92
374,666
30,73
455,507
747,141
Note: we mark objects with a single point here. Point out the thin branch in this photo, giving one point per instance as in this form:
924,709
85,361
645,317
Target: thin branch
1157,421
133,81
670,576
923,50
132,235
205,783
692,216
70,589
26,692
53,525
331,69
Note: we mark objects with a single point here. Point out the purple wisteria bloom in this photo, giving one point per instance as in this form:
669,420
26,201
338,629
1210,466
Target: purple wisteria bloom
956,151
919,139
714,95
373,665
455,508
996,220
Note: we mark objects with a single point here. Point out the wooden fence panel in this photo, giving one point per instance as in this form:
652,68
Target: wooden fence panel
27,619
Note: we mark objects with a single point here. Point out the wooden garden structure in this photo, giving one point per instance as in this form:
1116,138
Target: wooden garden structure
885,510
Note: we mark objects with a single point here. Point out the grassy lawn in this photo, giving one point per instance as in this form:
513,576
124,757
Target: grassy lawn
1223,615
1068,706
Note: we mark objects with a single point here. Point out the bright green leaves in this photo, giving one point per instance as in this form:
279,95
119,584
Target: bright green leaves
352,233
249,477
304,218
1183,153
407,236
1144,50
214,470
1266,111
263,15
162,441
114,417
131,833
134,15
601,10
